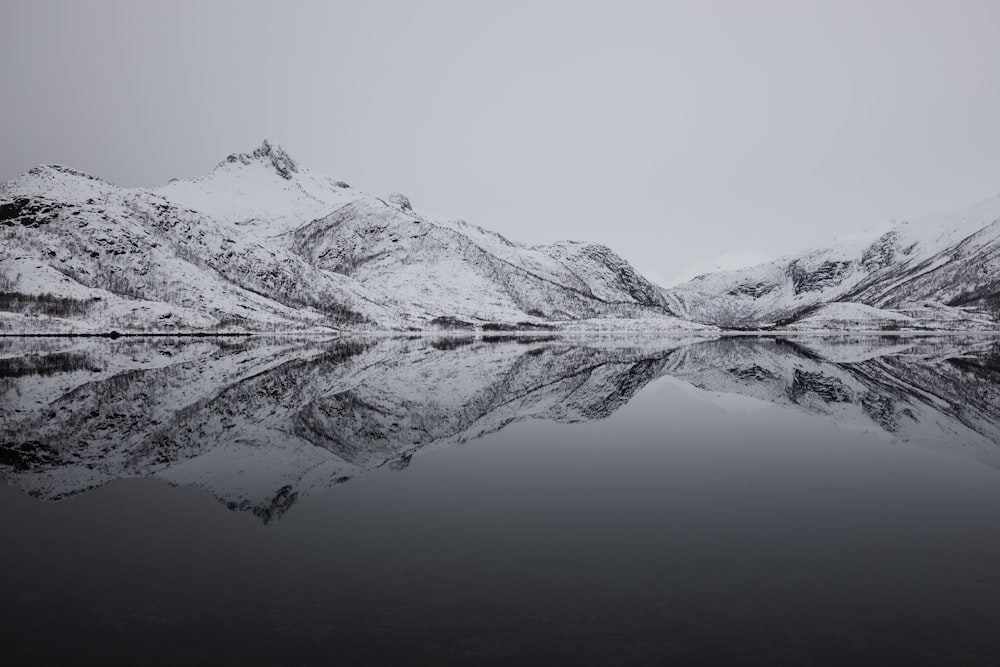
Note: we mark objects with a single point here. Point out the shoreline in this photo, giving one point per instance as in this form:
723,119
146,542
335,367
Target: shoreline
722,333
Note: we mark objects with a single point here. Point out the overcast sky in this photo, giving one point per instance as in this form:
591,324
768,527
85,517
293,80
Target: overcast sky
671,131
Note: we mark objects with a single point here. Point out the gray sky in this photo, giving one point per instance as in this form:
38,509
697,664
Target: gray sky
671,131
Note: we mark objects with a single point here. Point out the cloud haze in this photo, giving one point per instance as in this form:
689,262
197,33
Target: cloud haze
673,132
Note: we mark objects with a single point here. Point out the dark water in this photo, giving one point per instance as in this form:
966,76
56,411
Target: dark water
581,501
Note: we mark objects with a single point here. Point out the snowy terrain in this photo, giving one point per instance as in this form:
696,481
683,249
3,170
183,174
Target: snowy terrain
264,244
936,273
730,260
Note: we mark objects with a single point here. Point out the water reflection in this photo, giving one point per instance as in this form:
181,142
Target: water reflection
261,423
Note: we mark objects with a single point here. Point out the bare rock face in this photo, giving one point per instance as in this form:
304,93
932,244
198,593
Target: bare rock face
816,279
282,162
400,200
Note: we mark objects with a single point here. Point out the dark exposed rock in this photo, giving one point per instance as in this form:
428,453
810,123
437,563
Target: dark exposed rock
276,155
882,409
826,388
448,322
756,290
753,373
45,364
881,253
28,211
814,280
400,200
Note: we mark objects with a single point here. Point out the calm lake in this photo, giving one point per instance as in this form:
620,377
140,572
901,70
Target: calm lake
611,500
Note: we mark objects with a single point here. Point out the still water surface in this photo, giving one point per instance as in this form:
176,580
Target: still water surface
598,501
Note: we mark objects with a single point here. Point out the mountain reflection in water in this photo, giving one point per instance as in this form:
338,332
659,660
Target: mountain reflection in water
616,501
263,422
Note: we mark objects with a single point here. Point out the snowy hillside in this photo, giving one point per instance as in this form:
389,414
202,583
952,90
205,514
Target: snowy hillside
263,243
941,272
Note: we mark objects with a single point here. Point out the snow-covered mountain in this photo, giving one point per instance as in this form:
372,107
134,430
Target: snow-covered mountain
263,243
941,272
261,422
731,260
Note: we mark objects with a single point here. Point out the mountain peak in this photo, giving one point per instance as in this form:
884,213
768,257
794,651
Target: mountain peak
55,181
273,153
49,169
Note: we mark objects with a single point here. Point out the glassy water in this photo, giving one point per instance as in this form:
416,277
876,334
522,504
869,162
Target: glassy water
494,501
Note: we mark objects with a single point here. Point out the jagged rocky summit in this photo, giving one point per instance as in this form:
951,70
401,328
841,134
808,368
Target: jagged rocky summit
262,243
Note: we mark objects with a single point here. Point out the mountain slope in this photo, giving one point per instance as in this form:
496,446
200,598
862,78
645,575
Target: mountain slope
938,273
263,243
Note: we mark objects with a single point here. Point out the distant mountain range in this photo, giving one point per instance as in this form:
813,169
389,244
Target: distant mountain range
262,243
937,273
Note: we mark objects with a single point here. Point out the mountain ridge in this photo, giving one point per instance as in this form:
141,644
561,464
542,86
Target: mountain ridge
938,272
263,243
235,250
